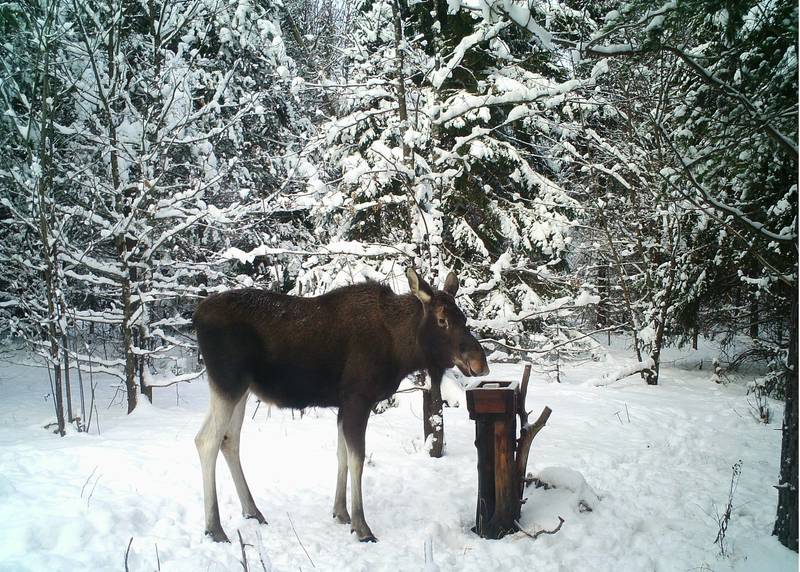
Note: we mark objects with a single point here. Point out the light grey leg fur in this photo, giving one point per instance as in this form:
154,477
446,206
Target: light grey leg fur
355,427
230,450
208,441
359,526
340,500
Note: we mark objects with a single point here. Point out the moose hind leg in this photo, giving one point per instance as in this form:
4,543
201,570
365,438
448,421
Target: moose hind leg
208,441
355,426
230,450
340,500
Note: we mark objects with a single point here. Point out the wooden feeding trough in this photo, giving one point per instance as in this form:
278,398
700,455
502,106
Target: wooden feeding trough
502,457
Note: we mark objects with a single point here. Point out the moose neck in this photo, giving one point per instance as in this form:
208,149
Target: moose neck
403,317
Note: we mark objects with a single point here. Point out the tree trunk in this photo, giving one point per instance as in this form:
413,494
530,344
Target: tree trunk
651,376
70,416
402,110
601,310
433,415
786,519
145,389
82,423
127,341
59,398
49,247
112,79
753,317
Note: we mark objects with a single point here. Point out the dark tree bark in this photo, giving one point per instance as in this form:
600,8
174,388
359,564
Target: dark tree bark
67,385
433,414
43,187
402,109
786,518
143,342
127,340
753,317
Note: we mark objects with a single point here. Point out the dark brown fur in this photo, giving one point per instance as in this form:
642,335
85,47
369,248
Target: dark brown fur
297,352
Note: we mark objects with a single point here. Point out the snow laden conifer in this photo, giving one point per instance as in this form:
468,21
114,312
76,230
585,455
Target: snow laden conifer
501,107
443,150
367,201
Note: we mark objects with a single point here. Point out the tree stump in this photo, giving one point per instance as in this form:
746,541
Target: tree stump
502,458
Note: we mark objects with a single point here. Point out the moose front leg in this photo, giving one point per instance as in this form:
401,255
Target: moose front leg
340,500
354,425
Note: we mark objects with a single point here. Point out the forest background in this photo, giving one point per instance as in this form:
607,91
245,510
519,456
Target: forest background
585,167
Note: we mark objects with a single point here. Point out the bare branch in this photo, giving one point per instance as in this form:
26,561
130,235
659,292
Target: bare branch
300,541
537,534
551,348
127,551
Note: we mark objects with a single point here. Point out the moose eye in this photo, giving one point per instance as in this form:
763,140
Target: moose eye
443,322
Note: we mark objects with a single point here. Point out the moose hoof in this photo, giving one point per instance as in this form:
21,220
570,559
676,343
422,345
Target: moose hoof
257,515
342,517
364,536
217,535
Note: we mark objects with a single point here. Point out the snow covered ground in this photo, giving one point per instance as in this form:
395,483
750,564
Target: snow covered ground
658,458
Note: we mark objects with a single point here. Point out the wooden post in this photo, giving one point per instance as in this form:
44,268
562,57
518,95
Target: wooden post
492,404
502,459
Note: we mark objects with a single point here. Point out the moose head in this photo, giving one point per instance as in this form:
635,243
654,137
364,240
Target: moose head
443,331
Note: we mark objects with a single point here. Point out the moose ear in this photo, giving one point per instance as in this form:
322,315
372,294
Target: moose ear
451,284
419,287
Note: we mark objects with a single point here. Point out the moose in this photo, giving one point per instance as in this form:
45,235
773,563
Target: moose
349,348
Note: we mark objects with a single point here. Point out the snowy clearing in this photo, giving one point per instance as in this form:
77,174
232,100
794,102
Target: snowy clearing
658,458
